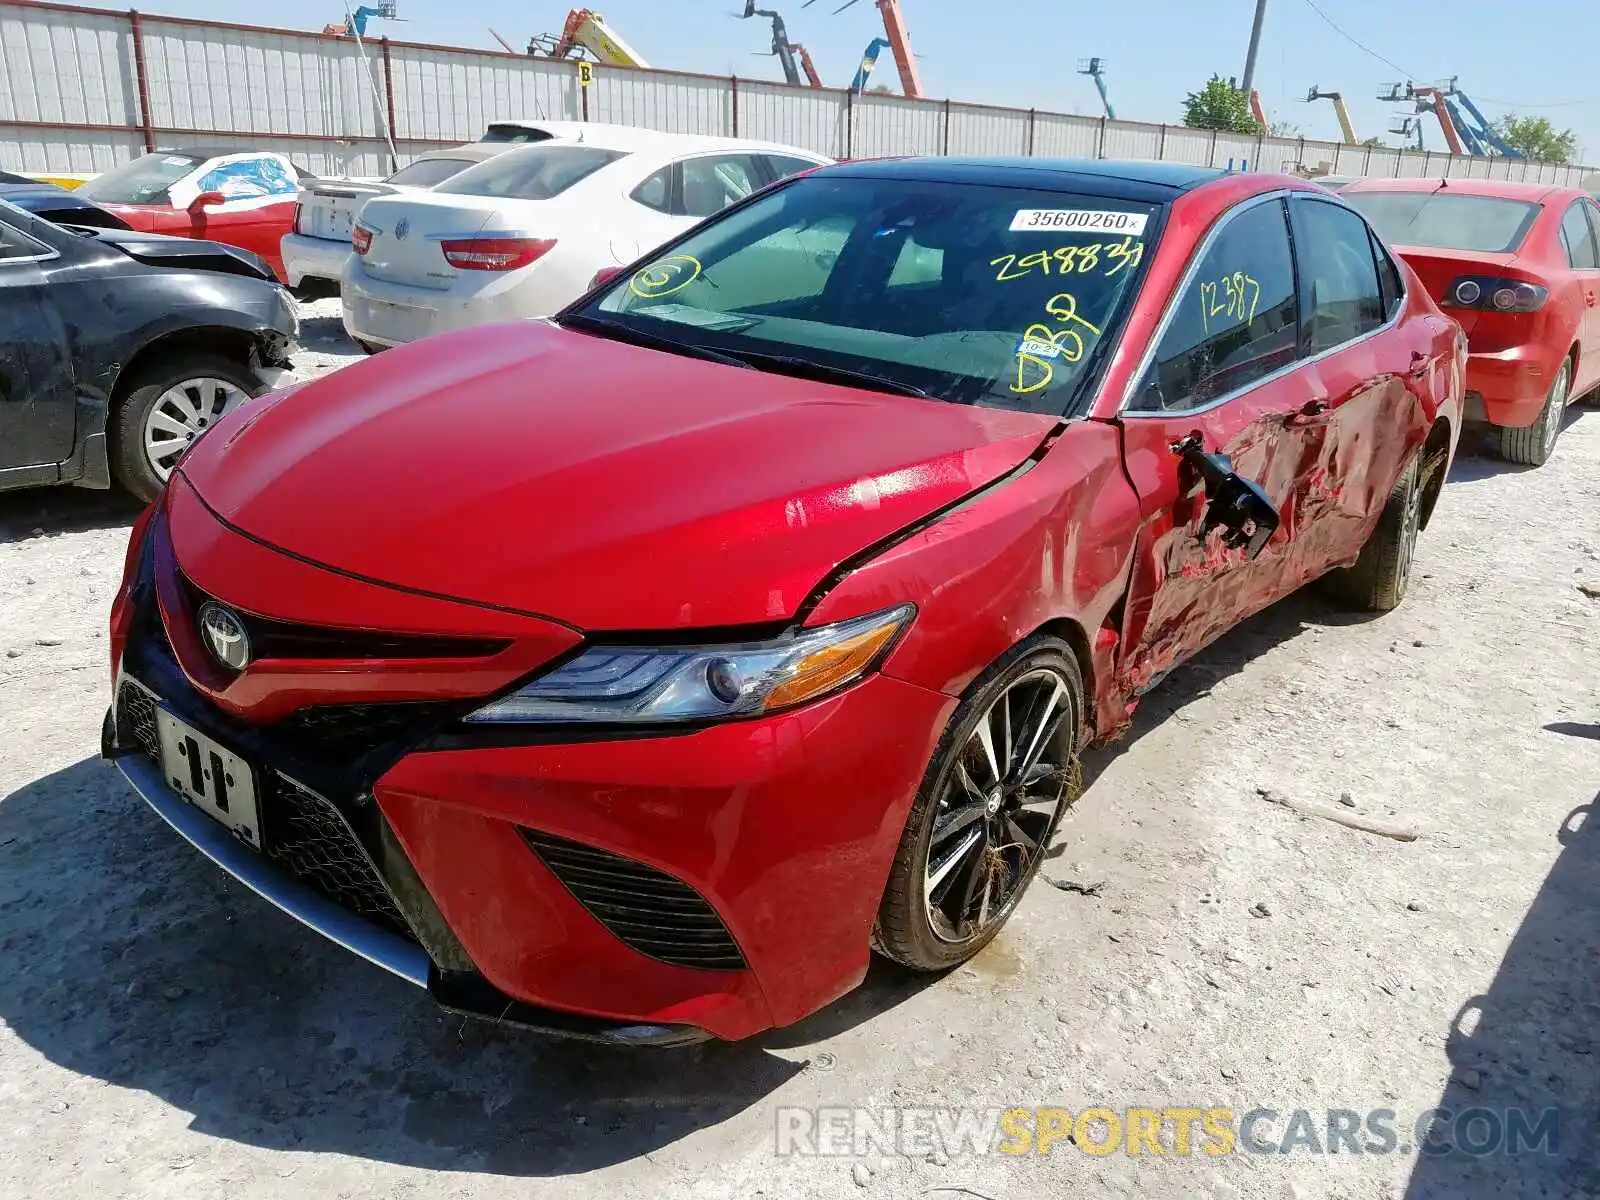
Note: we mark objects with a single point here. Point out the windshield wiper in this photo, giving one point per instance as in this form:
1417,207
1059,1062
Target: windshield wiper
623,332
809,369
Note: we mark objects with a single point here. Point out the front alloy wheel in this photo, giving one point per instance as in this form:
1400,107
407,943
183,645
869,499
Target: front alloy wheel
1004,773
182,413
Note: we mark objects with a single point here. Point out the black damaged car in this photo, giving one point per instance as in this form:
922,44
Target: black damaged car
117,349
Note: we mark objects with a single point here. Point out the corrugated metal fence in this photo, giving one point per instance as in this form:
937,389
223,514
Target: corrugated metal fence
85,89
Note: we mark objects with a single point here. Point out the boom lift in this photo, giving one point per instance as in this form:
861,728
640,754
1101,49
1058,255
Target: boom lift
355,24
894,31
1476,128
587,31
1095,69
792,56
1346,126
869,60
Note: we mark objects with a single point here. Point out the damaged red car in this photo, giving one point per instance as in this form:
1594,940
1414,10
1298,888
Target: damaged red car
633,675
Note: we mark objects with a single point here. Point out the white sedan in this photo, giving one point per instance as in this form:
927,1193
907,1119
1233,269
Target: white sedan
319,241
524,233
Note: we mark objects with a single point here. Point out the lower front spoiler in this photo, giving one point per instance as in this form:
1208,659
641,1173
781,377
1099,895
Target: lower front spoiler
470,996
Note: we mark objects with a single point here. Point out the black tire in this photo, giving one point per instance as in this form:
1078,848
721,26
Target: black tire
369,347
1377,580
1533,444
904,930
131,463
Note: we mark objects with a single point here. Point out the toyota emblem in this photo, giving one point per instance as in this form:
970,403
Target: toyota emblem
225,636
401,228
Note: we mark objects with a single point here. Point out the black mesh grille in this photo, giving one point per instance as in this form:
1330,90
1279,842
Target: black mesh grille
307,835
349,730
136,719
646,909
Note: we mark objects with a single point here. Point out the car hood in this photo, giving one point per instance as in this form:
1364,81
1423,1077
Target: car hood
196,254
609,486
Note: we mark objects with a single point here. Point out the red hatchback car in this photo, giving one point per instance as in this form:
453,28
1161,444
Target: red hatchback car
1518,265
631,674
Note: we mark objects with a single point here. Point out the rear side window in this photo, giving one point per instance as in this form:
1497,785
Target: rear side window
656,191
1235,320
427,172
783,165
532,173
1389,281
1338,275
1445,221
1578,239
15,244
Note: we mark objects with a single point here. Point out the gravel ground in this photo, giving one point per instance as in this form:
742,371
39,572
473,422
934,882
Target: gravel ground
164,1033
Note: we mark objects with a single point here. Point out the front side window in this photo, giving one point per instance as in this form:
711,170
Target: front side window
532,173
1338,275
969,293
1578,239
783,165
145,180
1235,319
711,184
1445,220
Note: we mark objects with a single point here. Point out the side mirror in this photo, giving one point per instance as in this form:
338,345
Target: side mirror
205,200
604,275
1234,504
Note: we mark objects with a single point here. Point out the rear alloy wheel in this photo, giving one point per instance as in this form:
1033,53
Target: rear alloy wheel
1376,581
1003,775
168,406
1535,443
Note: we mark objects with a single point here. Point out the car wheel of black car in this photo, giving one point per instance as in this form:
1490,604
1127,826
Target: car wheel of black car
1534,444
166,406
1002,775
1377,581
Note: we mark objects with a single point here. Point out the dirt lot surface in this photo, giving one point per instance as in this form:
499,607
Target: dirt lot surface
165,1033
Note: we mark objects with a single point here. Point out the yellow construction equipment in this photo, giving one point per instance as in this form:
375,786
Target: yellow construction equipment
1346,126
586,30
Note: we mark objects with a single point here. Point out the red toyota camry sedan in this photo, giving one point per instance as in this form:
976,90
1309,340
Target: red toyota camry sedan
1518,264
632,675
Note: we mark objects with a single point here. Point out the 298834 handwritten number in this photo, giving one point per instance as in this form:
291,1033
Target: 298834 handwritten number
1042,344
1068,260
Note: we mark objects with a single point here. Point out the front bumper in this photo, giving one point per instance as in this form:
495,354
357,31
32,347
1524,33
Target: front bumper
636,889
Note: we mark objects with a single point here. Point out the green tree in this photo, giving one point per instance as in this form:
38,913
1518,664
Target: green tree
1219,105
1537,138
1376,143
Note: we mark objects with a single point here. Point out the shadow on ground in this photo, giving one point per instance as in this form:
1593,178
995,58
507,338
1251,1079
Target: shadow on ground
43,512
132,960
1528,1048
1478,457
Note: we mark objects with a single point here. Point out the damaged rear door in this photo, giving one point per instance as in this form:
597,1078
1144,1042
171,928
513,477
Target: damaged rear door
37,411
1217,431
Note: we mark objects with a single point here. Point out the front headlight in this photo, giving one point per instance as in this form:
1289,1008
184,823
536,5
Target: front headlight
611,684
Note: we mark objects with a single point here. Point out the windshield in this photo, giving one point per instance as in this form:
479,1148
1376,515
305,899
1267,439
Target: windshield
970,293
429,171
145,180
1446,221
533,173
511,132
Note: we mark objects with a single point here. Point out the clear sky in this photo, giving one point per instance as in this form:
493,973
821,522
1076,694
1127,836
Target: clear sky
1536,57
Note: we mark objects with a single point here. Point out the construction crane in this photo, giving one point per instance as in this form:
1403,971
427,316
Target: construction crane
586,31
899,40
1340,110
792,56
869,60
355,23
1095,69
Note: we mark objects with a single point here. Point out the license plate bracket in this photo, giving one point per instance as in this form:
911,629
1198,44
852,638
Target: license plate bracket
210,776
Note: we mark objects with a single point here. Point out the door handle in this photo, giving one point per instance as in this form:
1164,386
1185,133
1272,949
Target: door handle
1589,299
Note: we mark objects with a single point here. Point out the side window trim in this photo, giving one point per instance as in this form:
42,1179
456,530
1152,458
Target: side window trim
1169,310
46,251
